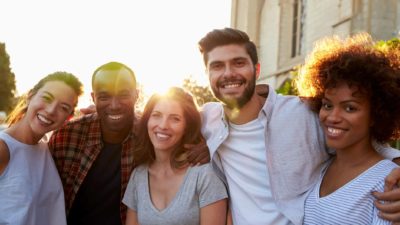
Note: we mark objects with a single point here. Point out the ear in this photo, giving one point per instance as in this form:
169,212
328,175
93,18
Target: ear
258,70
137,93
93,99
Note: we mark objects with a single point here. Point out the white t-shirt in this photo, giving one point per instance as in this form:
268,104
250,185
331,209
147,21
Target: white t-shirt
243,157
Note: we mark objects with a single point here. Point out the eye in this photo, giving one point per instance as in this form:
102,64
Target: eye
326,105
176,119
66,108
155,115
240,63
103,97
216,66
47,98
350,108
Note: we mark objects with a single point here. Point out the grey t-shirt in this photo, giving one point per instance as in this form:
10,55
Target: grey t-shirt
199,188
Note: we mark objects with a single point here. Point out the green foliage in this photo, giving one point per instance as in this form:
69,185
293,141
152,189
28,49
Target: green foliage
7,81
201,93
393,43
395,144
288,88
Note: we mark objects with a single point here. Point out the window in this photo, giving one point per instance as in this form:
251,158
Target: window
297,27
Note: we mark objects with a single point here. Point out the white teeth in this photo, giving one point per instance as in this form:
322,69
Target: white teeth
115,117
334,131
231,85
44,119
162,136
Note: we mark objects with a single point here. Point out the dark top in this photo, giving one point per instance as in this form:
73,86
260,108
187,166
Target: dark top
98,199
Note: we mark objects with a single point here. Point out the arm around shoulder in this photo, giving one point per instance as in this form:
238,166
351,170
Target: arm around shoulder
4,156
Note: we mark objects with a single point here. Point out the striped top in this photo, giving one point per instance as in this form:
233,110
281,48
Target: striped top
352,203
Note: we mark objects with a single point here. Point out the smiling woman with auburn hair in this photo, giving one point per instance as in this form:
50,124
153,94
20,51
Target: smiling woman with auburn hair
164,189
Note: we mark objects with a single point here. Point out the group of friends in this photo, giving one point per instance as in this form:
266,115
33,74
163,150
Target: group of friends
255,157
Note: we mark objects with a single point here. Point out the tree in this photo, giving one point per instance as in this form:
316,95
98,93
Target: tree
202,94
7,81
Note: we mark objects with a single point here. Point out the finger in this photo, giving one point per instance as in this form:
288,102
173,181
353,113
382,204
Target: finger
188,146
192,153
390,217
388,207
392,195
392,179
205,159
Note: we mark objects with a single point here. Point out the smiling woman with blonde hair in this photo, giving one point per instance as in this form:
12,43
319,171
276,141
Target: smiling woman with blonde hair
30,187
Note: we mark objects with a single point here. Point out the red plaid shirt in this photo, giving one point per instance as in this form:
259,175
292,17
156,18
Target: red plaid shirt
76,146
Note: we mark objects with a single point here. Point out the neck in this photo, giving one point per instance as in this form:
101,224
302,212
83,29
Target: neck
115,137
358,155
23,133
248,112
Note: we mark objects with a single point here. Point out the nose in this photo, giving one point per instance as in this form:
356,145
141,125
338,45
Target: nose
163,123
334,116
229,71
51,108
115,104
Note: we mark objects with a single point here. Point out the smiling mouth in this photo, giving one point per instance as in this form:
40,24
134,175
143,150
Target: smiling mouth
231,85
162,136
115,117
334,131
44,120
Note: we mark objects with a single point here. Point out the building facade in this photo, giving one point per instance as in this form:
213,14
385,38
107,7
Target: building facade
285,30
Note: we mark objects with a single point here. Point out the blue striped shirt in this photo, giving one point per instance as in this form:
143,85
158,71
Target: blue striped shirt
352,203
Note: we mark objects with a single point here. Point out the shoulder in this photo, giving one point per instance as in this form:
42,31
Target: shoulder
205,173
211,107
77,125
85,120
211,113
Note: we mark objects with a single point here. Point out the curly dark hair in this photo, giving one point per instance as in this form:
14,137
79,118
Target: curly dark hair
356,61
144,150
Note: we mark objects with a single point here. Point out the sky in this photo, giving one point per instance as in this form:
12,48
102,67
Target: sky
156,38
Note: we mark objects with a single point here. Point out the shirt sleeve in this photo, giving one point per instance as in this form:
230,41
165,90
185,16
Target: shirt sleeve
130,196
209,187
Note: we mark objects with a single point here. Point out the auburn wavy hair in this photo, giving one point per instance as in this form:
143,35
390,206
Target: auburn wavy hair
144,150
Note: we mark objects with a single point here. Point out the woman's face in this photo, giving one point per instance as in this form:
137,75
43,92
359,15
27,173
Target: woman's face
166,125
345,117
50,107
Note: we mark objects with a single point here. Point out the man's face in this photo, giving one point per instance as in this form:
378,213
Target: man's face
114,95
232,74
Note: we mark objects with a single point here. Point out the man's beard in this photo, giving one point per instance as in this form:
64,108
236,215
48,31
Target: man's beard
239,102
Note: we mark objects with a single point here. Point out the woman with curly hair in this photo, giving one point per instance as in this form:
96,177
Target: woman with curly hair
355,87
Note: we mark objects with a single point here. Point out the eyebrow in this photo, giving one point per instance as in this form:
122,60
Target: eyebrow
234,59
63,103
342,102
51,95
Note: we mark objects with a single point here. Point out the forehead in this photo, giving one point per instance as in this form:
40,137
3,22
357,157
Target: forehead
113,80
60,91
169,106
343,90
227,53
